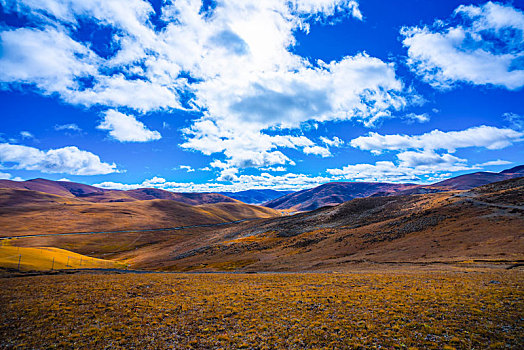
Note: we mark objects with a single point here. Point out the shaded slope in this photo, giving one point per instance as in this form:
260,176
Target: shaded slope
256,196
469,181
332,194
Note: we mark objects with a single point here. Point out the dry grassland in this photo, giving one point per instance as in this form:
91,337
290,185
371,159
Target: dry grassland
402,310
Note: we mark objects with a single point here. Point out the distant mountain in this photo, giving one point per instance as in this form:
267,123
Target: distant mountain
332,194
187,198
339,192
255,196
469,181
99,195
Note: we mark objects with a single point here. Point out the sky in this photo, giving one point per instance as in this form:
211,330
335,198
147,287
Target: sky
229,95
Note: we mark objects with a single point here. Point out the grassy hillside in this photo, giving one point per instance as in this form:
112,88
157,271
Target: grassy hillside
48,258
481,226
24,212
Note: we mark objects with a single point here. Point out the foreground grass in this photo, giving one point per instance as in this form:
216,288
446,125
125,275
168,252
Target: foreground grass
268,311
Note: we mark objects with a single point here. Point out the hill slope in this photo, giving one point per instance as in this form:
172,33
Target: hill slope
483,224
93,194
25,212
256,196
332,194
339,192
469,181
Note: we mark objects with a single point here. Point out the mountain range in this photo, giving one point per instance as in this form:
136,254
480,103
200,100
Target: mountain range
324,195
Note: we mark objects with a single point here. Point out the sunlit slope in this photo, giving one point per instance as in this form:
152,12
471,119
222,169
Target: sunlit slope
46,258
24,212
236,211
485,224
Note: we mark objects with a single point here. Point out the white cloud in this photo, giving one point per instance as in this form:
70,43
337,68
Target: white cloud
482,136
515,120
479,45
334,142
68,160
318,150
412,117
126,128
289,181
417,156
187,168
427,159
276,169
26,135
244,80
495,162
5,176
68,127
412,168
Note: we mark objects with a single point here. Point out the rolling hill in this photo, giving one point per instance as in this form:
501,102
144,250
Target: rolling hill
256,196
469,181
339,192
24,212
93,194
484,225
332,194
481,226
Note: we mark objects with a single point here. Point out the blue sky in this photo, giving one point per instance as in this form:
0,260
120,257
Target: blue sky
228,95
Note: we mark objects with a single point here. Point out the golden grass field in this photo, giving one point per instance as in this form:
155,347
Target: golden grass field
48,258
401,310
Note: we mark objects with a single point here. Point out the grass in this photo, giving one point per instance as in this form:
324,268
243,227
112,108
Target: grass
47,258
408,310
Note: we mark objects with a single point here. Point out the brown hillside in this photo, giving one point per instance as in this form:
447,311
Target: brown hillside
332,194
93,194
482,225
24,212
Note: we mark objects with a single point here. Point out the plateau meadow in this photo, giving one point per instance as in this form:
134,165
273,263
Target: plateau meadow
373,309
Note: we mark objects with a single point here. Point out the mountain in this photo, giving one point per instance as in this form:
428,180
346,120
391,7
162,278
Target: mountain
469,181
339,192
93,194
256,196
332,194
26,212
484,225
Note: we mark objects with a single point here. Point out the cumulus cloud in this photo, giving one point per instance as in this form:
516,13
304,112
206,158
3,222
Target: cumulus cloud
67,160
411,168
413,117
479,45
216,61
420,158
334,142
288,182
482,136
317,150
187,168
126,128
